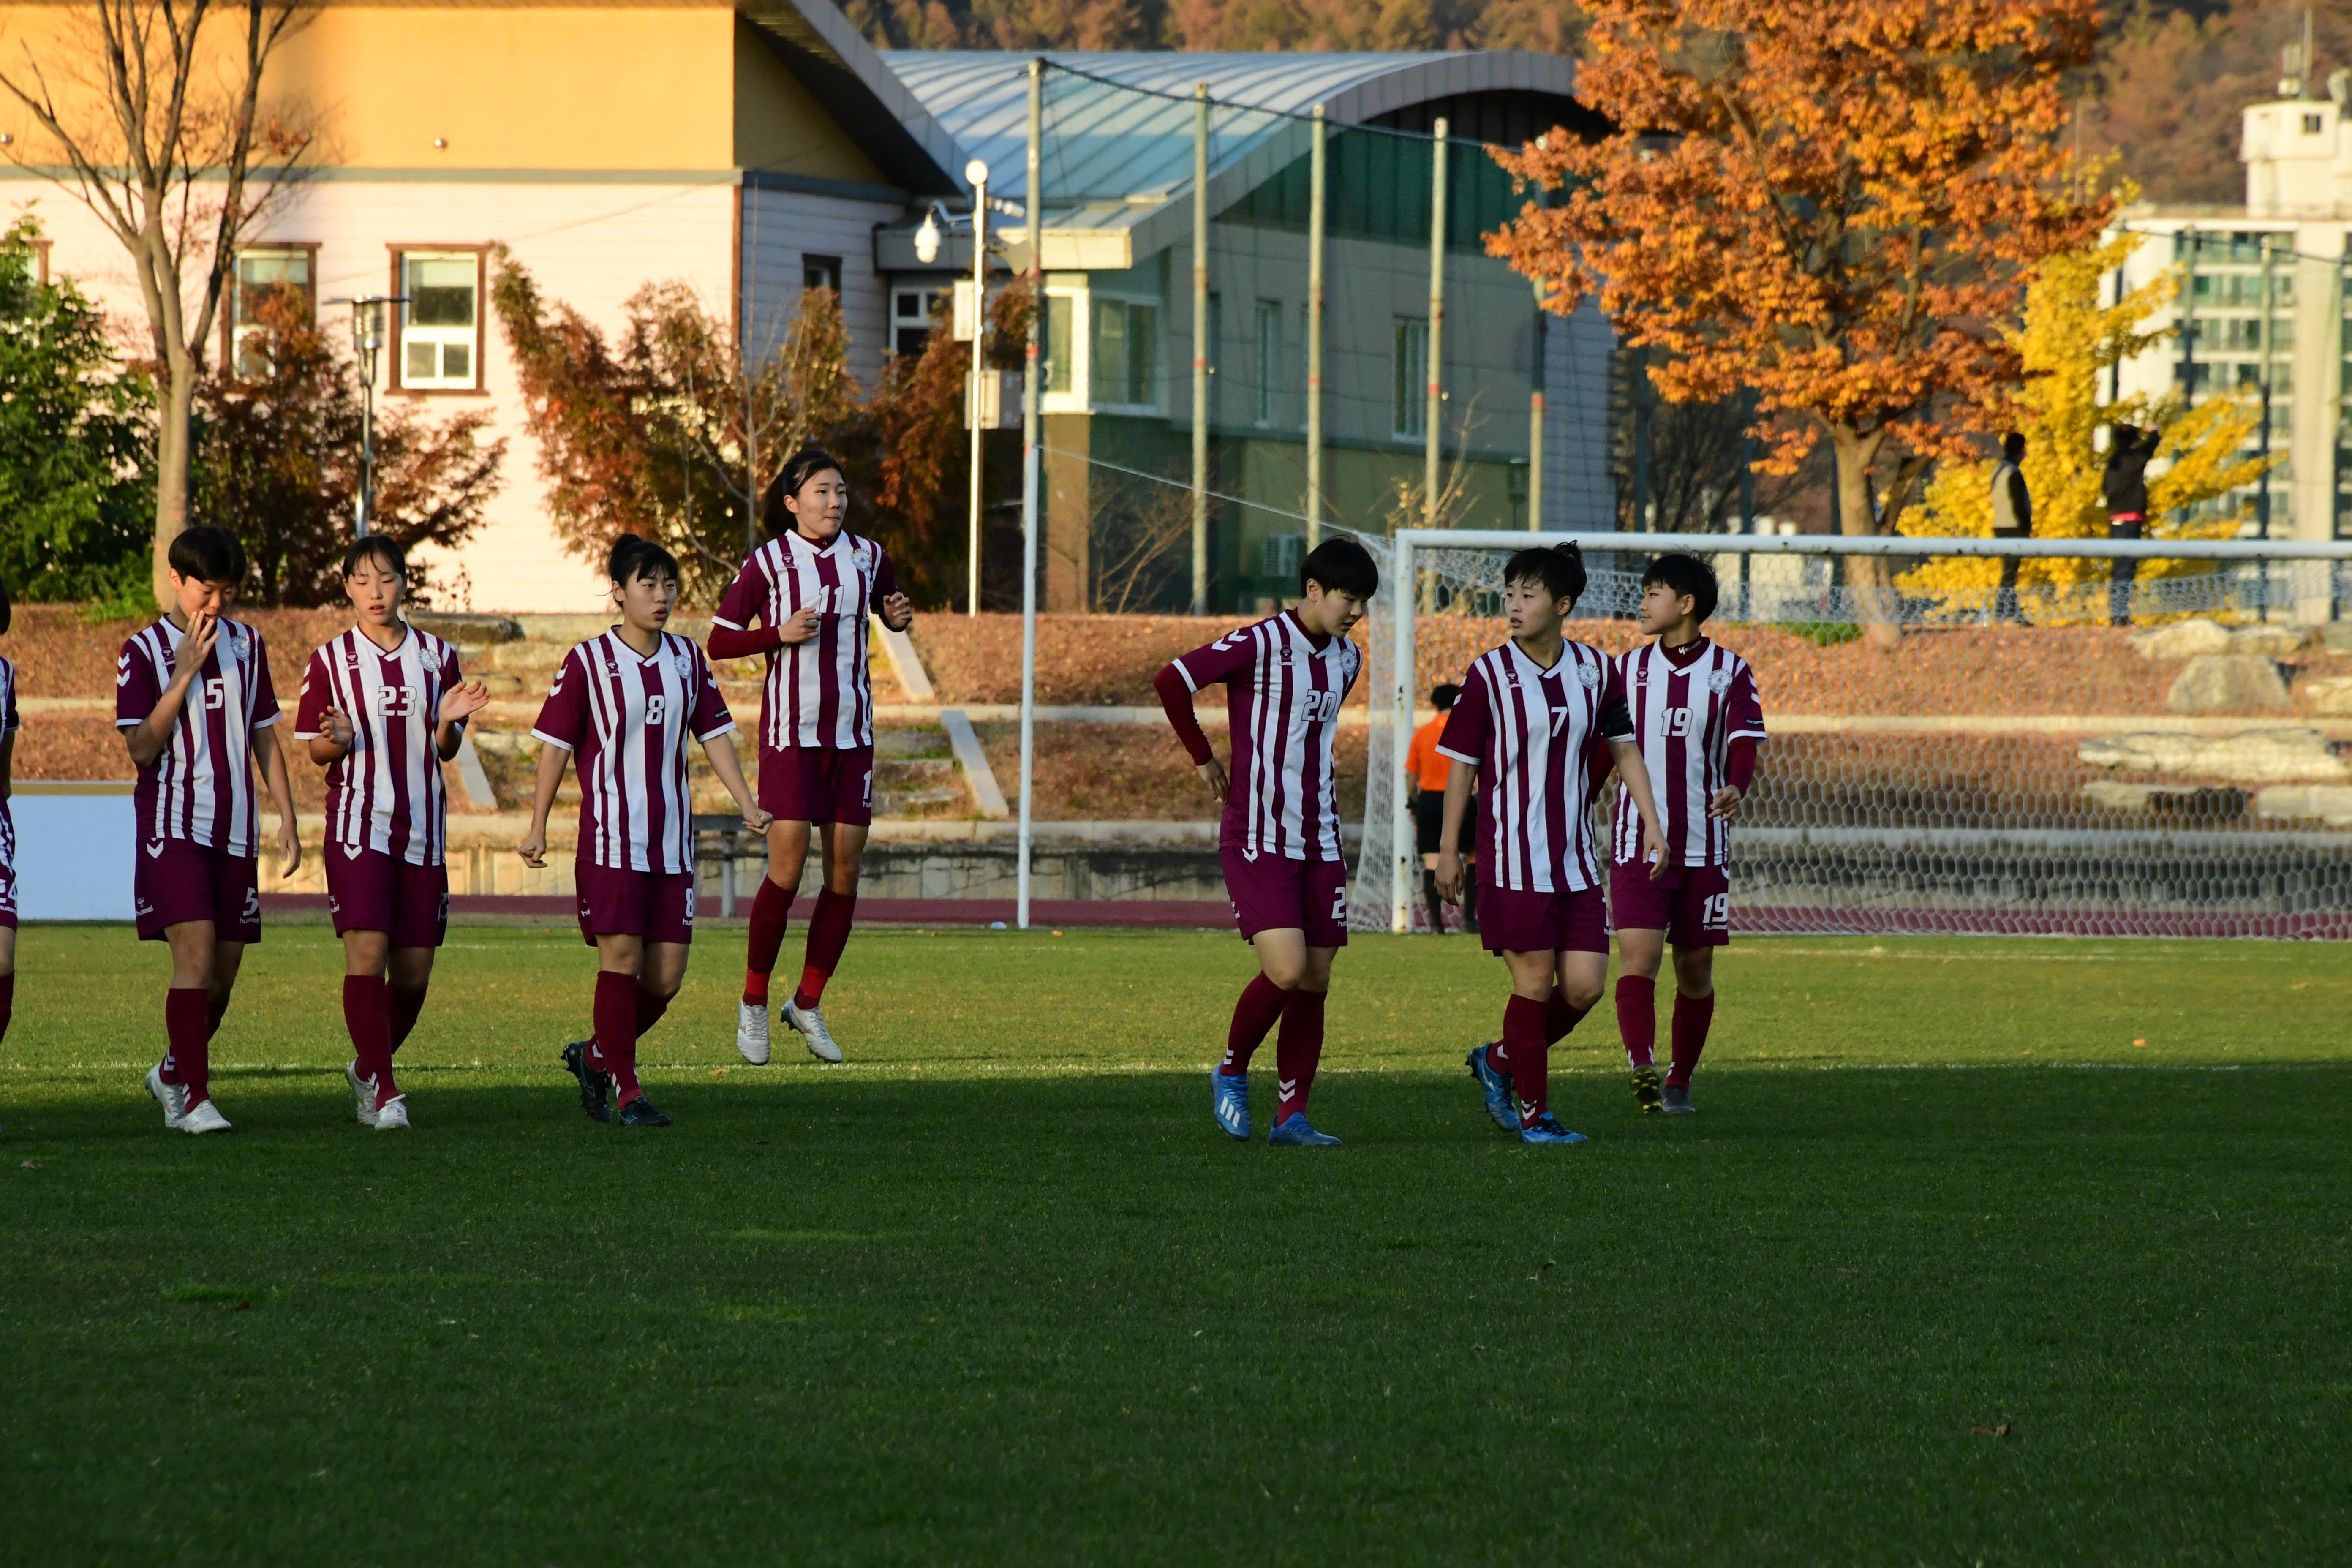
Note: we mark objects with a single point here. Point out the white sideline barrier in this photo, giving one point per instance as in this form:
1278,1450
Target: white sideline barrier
75,848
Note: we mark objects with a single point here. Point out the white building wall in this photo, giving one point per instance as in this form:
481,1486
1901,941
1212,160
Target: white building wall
783,226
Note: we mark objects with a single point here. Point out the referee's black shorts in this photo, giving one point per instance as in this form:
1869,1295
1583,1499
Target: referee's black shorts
1429,819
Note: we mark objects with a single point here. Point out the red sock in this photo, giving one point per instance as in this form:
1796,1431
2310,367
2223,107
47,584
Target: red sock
616,1031
216,1009
771,910
828,934
187,1053
1692,1015
370,1023
7,1001
1254,1010
1297,1050
650,1009
1529,1057
1560,1019
1637,1019
402,1008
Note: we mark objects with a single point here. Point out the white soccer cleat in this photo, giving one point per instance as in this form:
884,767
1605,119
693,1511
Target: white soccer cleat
362,1094
810,1022
392,1116
203,1117
172,1097
751,1032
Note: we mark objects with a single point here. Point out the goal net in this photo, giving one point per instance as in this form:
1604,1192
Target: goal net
2016,764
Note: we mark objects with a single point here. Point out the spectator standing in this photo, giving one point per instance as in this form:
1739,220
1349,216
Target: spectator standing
2012,518
2125,485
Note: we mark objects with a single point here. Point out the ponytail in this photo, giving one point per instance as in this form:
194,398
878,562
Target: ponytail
633,558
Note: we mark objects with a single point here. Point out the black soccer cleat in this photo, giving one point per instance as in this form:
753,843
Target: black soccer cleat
640,1112
1677,1100
593,1085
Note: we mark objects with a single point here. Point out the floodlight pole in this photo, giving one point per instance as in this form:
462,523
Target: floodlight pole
1201,349
1033,198
978,171
1314,211
1429,473
367,342
1536,421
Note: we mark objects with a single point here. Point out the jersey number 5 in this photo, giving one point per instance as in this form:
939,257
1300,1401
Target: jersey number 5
215,696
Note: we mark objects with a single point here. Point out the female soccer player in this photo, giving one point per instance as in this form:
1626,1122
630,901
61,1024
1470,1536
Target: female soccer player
8,722
193,701
382,707
624,705
809,590
1284,678
1517,736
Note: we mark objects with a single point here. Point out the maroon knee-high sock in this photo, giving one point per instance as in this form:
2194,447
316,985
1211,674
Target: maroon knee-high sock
7,1001
1254,1010
1560,1019
1298,1051
828,934
401,1008
1527,1054
650,1009
771,910
1692,1016
370,1023
1637,1019
187,1042
216,1009
616,1030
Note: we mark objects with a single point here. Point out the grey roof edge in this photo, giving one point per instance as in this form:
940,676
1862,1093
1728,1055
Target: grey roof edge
817,31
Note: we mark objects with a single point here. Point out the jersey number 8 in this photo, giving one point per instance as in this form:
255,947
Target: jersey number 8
656,706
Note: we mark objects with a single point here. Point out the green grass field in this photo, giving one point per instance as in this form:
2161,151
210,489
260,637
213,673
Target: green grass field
998,1291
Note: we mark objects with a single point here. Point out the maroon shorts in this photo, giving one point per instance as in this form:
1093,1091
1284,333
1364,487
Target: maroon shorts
369,891
1692,904
1274,892
178,881
818,783
656,905
1511,922
7,869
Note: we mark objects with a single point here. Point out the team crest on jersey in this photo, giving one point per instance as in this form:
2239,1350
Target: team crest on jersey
1588,676
1718,681
681,662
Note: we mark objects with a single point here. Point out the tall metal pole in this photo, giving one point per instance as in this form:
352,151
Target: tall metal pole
1314,210
1536,420
1201,349
979,366
1429,483
2263,347
1405,859
1033,199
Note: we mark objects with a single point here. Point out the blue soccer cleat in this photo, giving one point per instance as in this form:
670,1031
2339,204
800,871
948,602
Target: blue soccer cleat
1497,1085
1546,1128
1293,1133
1229,1097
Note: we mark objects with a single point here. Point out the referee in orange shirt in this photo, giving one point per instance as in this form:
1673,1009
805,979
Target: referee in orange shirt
1425,768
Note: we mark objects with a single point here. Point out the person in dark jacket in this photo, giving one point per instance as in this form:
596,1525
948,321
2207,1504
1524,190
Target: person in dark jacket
2012,518
2125,485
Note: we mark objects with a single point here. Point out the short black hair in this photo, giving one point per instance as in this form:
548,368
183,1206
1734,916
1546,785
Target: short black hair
798,469
2012,445
208,554
1685,575
7,612
381,548
633,558
1443,696
1559,567
1342,566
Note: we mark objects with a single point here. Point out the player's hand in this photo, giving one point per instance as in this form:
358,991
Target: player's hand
798,628
204,631
338,729
533,848
463,702
898,611
1213,773
1726,804
755,821
289,846
1449,875
1654,851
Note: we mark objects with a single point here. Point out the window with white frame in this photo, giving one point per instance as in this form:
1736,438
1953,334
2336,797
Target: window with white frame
820,272
1269,358
1411,413
1057,345
910,318
1126,368
264,279
441,325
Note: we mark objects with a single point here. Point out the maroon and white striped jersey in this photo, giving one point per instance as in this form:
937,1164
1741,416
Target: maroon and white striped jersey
200,787
1283,690
817,693
9,724
1526,729
626,719
1687,712
385,794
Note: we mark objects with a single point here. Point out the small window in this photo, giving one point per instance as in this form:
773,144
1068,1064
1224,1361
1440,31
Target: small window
441,325
1057,346
910,318
264,279
821,272
1269,357
1126,368
1412,390
2313,124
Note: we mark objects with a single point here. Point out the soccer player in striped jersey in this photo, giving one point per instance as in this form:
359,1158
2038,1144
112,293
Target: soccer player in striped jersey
8,724
193,701
1519,734
801,601
1284,678
624,706
382,707
1698,723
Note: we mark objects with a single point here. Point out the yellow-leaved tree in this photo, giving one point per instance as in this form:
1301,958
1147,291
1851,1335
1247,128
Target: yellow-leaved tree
2068,343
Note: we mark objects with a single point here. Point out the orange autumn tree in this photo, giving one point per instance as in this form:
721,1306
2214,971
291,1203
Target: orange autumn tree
1834,204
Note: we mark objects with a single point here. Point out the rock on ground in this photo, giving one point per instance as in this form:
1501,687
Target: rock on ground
2181,639
2258,756
2226,683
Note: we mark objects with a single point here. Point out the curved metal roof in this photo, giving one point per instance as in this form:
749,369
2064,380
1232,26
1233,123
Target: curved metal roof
1105,144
